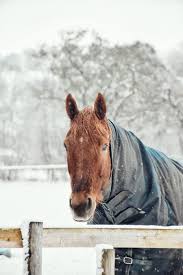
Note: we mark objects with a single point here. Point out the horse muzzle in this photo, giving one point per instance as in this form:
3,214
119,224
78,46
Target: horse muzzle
83,210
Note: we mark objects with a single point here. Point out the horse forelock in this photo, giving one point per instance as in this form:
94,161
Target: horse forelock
87,125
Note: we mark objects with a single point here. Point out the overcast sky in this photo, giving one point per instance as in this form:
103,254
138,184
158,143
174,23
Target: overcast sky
26,23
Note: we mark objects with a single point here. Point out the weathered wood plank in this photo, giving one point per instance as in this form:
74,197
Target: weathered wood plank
35,248
109,262
123,236
90,236
105,260
10,238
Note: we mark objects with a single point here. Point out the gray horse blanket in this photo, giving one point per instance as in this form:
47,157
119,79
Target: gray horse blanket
146,188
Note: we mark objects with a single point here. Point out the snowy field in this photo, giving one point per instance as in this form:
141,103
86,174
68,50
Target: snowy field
47,202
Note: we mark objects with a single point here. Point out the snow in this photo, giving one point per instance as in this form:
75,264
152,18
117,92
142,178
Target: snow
25,237
68,261
48,203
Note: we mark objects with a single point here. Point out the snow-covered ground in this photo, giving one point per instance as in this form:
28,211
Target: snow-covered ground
47,202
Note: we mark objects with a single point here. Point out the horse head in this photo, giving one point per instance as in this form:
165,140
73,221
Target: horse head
87,145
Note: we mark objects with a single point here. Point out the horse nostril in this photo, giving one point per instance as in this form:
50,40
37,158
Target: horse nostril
89,203
81,207
70,203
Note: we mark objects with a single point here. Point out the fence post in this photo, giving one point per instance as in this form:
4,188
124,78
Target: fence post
105,260
35,248
109,261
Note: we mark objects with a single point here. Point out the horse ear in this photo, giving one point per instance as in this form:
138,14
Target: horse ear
100,106
71,107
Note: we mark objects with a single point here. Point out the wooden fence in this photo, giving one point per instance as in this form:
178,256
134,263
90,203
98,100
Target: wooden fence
103,237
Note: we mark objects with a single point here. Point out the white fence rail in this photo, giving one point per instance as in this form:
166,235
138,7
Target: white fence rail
51,172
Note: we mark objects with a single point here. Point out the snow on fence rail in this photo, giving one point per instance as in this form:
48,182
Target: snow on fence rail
105,238
51,172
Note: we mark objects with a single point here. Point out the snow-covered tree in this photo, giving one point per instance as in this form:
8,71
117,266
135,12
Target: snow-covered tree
142,95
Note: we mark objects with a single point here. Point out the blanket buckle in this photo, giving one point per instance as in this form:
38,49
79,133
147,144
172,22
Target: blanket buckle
127,260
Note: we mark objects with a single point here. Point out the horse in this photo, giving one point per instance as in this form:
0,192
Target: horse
116,179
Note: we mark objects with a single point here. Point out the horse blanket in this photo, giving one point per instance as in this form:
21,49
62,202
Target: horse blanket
146,188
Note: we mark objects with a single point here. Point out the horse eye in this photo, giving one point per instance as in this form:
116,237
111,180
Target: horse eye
104,147
65,146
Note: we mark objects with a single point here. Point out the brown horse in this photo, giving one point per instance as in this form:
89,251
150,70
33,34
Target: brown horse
116,179
88,156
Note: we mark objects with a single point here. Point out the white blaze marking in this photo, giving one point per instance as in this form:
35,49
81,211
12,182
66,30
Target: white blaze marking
81,141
